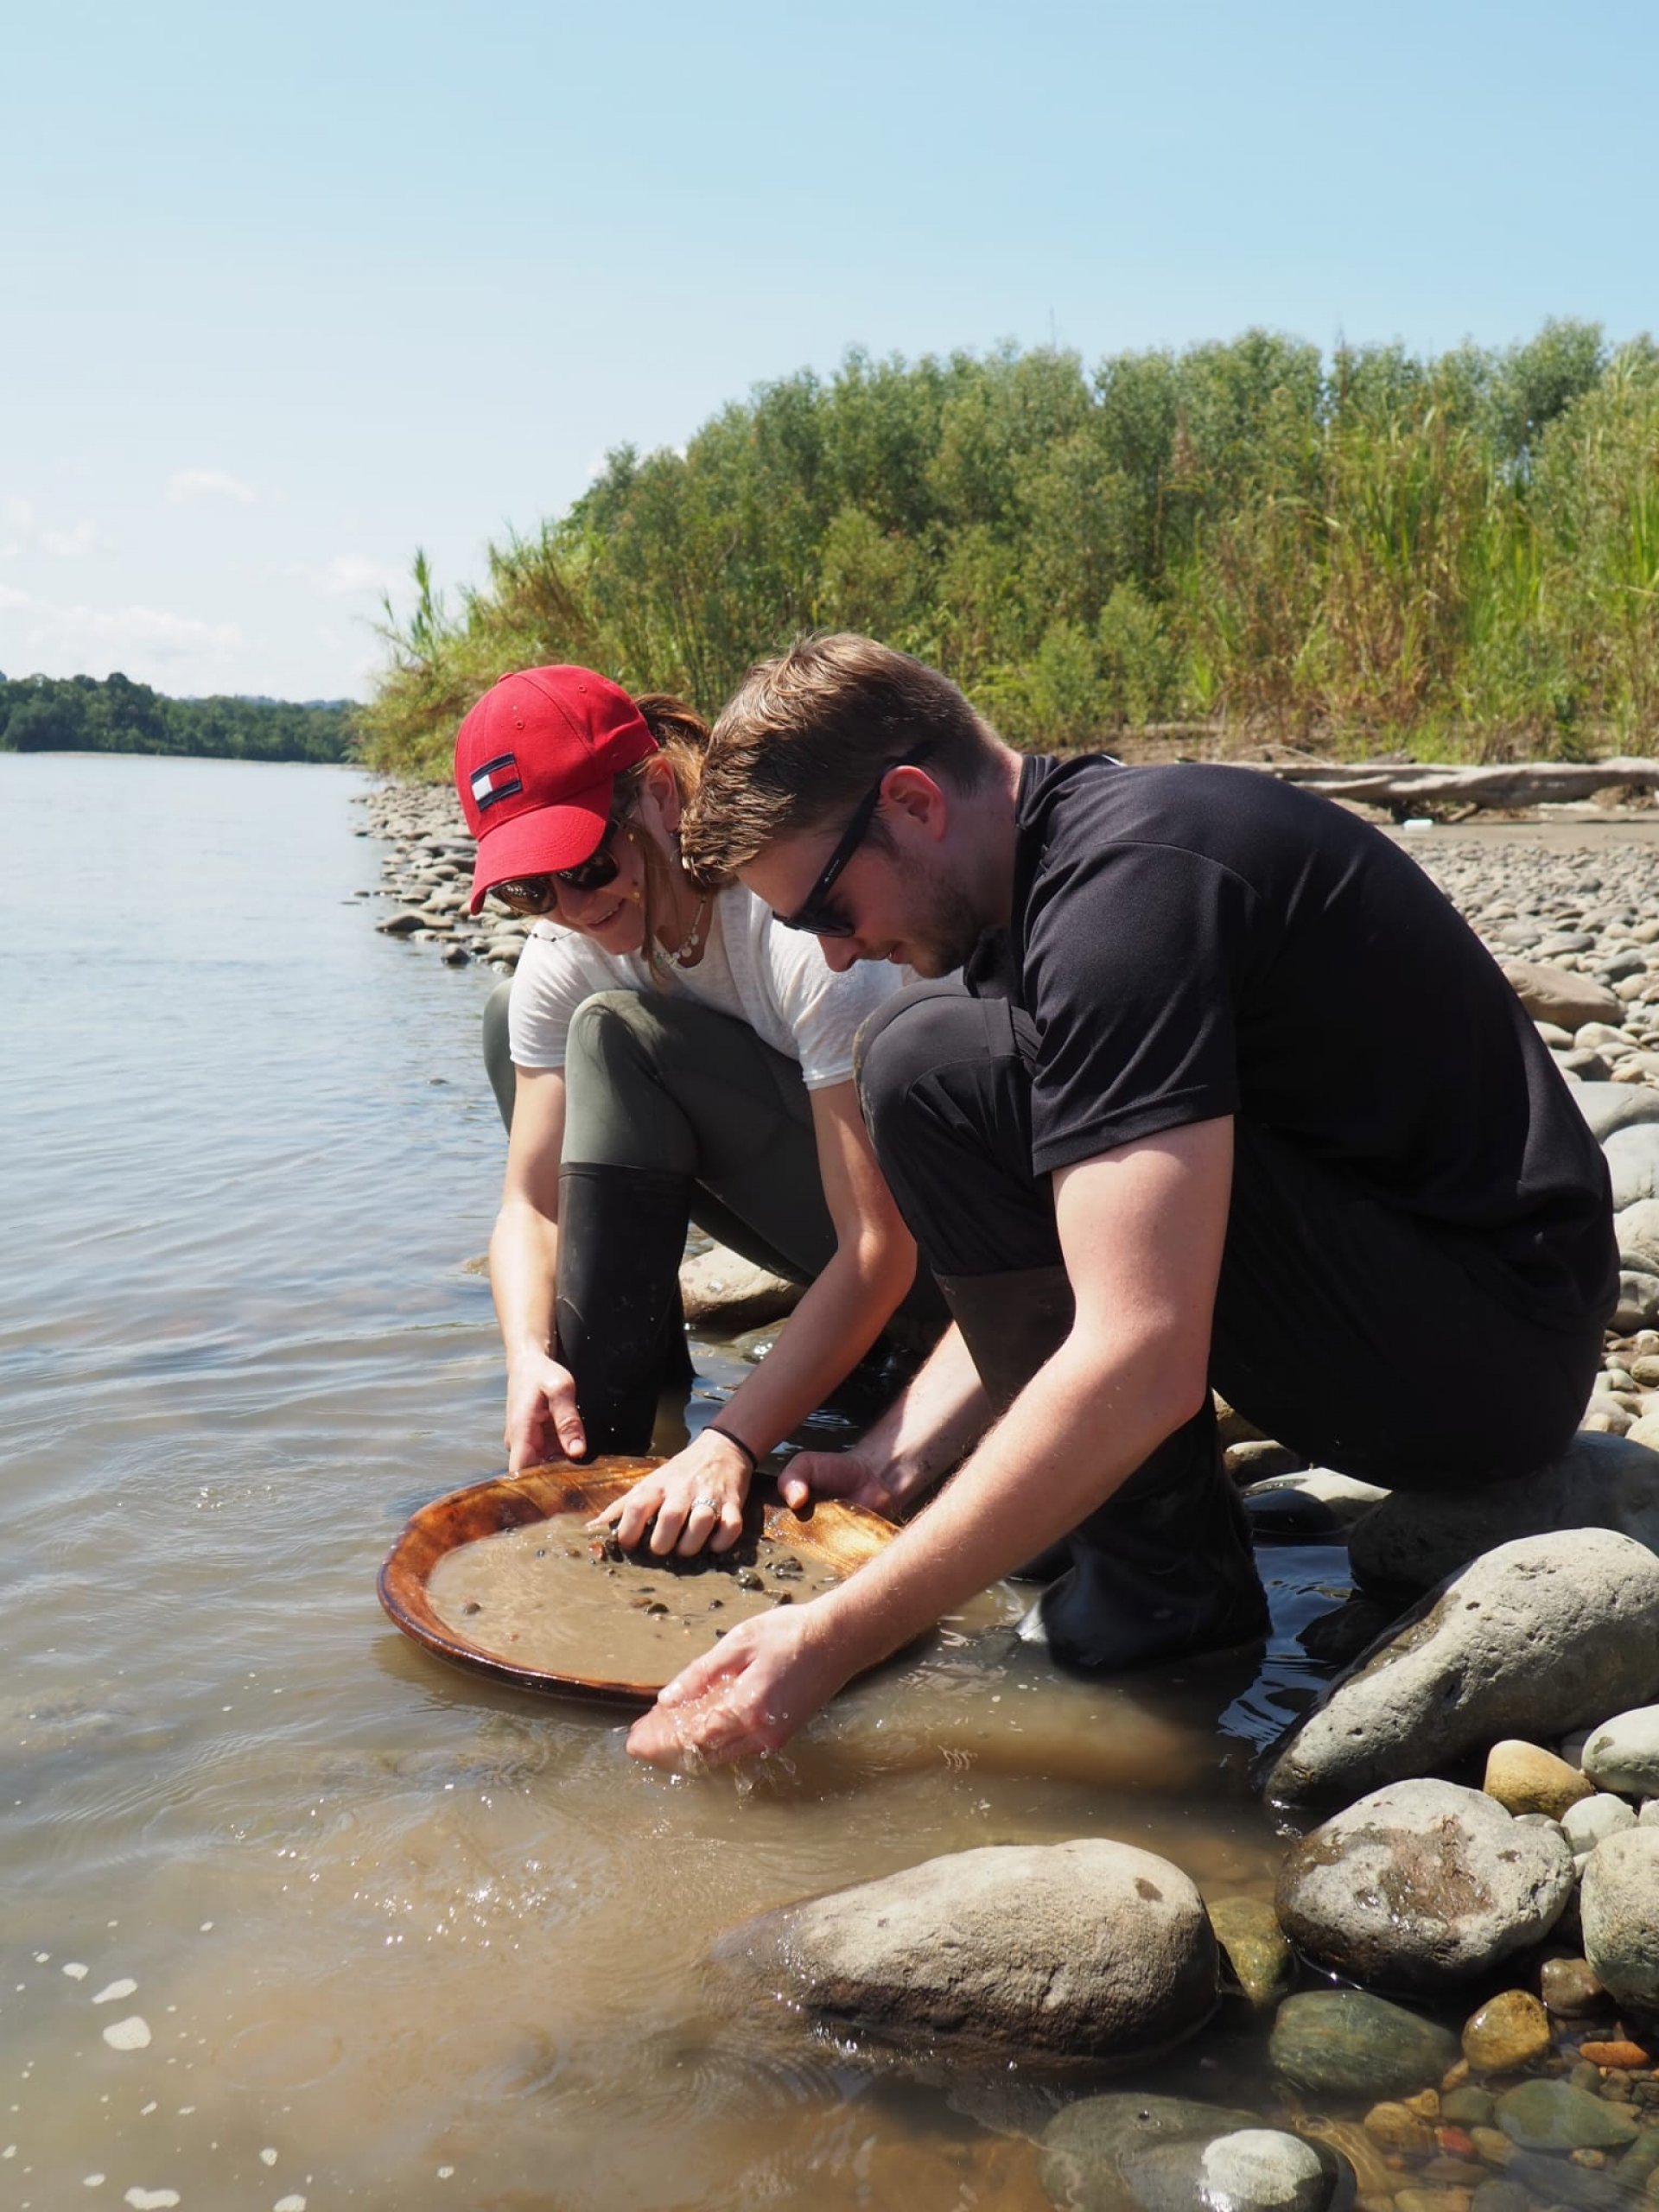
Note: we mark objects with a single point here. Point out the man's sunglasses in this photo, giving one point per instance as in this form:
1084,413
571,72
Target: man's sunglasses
812,915
539,894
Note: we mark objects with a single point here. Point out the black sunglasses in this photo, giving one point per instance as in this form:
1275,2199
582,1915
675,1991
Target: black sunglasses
812,915
539,894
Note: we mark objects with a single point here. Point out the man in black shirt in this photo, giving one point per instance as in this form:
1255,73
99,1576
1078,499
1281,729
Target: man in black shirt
1234,1096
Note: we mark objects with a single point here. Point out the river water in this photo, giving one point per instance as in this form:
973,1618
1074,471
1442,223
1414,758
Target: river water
398,1937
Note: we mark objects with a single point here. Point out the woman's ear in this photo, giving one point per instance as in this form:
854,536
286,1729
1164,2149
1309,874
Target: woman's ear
660,785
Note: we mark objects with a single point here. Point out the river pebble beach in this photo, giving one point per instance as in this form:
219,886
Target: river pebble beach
1445,1996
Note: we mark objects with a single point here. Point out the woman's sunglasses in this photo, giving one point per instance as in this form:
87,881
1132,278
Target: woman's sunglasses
812,914
539,894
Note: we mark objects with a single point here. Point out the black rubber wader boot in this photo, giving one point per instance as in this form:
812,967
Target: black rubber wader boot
1163,1569
620,1330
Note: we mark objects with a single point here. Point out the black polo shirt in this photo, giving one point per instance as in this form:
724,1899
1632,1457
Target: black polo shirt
1192,941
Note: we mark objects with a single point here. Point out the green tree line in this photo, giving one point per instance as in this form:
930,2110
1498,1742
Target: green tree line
86,713
1456,555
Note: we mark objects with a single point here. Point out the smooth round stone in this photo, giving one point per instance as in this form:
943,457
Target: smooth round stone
1256,1948
1263,2170
1497,2196
1349,2042
1467,2107
1526,1778
1508,2032
1620,1910
1555,2116
1393,2127
1623,1754
1086,2147
1592,1820
1570,1988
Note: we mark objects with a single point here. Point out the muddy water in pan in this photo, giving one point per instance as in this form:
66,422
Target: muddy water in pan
289,1909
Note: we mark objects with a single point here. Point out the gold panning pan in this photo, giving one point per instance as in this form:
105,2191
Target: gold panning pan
822,1545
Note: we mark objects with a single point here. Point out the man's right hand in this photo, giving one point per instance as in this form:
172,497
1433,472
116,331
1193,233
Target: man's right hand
542,1421
880,1488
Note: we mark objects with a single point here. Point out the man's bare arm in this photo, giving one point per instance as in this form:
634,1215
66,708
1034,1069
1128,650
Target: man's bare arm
1141,1229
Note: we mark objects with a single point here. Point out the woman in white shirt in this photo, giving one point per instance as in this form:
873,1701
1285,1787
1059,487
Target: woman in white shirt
679,1054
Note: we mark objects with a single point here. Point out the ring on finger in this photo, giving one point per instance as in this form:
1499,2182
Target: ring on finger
709,1504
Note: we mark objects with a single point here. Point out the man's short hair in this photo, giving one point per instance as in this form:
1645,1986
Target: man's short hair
806,735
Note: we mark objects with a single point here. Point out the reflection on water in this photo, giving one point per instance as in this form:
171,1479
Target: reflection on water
399,1937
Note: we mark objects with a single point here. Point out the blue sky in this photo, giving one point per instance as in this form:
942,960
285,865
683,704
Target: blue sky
285,292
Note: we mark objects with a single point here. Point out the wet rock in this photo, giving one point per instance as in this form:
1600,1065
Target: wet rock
1619,2054
1351,2043
1619,1905
404,923
1623,1754
1393,2127
1542,1633
1497,2195
1554,2116
1632,1156
1422,1886
721,1290
1468,2107
1255,2169
1414,1538
1254,1943
1570,1988
1168,2154
1317,1503
1337,1638
1087,1949
1526,1778
1592,1820
1549,2183
1557,995
1507,2033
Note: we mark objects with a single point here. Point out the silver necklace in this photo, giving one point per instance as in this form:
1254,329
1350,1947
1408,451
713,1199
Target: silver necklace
680,957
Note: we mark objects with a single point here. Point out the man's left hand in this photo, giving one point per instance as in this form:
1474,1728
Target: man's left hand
748,1695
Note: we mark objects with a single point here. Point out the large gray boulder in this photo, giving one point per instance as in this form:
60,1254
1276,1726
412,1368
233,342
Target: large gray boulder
1619,1901
1422,1886
1416,1538
1537,1637
1632,1156
1089,1949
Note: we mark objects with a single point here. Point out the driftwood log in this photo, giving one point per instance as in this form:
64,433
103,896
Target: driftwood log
1427,787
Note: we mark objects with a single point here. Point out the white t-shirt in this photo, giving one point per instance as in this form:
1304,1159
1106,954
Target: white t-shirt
775,980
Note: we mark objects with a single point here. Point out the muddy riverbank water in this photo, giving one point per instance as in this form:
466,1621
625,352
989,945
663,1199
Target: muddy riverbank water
396,1937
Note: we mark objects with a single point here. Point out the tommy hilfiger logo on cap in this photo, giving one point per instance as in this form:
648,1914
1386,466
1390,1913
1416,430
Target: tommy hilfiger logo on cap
497,779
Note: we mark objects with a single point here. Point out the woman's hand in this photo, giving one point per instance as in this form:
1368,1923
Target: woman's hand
749,1694
542,1417
695,1499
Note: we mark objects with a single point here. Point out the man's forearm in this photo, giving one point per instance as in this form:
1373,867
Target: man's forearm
941,1412
1076,1433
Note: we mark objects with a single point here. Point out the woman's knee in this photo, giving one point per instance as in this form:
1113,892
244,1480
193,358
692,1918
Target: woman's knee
497,1052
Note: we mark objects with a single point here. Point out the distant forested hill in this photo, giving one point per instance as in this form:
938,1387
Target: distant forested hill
86,713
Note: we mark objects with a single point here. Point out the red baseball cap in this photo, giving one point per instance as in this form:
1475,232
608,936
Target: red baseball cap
535,761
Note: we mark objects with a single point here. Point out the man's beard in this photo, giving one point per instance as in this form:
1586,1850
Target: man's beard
948,925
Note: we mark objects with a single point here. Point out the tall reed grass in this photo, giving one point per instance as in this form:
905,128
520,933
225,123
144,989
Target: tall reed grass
1456,555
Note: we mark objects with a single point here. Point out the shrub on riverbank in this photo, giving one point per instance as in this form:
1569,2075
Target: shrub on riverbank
1457,555
87,713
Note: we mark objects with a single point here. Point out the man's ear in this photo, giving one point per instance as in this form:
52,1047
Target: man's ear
912,792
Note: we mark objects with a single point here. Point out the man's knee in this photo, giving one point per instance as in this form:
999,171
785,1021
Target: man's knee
918,1031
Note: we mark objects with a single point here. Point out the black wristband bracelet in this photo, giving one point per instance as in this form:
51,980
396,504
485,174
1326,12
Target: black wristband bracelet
714,1428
